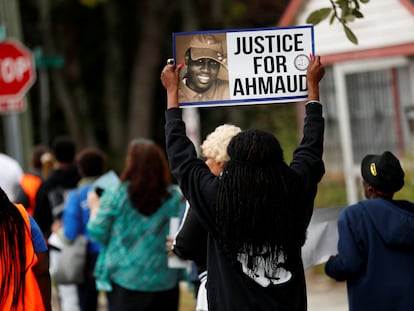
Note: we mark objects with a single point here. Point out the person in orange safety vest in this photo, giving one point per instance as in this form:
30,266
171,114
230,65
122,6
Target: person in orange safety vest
24,263
30,181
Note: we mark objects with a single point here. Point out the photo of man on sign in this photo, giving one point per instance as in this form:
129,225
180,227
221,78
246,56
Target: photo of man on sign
204,76
243,66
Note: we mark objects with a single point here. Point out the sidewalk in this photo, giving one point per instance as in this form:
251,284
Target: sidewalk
324,294
102,305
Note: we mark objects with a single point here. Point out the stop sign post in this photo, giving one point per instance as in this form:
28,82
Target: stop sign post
17,73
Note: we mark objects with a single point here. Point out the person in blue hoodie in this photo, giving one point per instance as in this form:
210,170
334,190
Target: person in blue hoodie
76,213
376,241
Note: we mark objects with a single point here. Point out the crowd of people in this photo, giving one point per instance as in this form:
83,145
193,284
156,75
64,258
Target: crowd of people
125,226
244,216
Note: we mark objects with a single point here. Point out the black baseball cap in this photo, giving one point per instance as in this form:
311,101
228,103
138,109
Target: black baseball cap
383,172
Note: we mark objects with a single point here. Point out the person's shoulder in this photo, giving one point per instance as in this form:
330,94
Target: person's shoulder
115,192
71,171
6,158
222,83
185,94
405,205
10,163
353,210
175,191
220,90
362,207
85,187
49,182
32,176
74,192
52,177
372,203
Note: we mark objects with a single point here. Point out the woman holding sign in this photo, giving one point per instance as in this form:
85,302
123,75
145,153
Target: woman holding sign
257,211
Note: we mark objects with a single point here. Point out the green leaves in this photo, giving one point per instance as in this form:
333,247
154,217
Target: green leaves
317,16
343,11
350,35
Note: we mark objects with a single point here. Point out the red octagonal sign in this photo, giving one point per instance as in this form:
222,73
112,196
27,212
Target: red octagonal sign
17,73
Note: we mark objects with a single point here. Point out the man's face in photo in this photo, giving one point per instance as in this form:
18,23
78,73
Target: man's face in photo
201,73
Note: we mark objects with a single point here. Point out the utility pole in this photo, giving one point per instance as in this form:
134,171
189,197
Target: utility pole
16,126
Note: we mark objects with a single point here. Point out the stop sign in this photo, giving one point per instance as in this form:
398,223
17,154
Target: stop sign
17,73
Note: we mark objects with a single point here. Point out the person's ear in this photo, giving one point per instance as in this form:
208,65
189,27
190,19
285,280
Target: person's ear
187,56
221,164
371,192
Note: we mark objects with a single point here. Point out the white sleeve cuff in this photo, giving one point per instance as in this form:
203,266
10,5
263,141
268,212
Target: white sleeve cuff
313,102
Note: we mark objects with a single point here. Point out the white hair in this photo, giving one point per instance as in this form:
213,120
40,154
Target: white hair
215,145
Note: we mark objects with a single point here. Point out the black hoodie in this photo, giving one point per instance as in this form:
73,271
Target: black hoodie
56,185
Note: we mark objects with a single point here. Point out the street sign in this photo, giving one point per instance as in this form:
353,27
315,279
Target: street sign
17,72
11,105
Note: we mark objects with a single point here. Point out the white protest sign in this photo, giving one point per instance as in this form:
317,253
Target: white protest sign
322,237
256,66
174,261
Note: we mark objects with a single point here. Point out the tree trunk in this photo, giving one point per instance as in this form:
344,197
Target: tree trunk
145,67
112,99
79,127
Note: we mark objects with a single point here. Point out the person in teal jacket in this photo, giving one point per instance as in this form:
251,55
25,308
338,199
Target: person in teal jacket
131,222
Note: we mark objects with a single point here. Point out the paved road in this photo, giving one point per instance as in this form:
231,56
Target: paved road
55,304
324,294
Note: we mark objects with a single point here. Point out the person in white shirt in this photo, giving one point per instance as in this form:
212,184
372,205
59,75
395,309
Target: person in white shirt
11,173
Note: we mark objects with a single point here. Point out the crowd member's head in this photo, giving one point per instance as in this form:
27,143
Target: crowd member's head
203,58
36,156
257,193
48,163
148,173
214,147
382,175
91,162
12,250
64,149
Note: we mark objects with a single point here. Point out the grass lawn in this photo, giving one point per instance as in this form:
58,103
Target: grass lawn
187,300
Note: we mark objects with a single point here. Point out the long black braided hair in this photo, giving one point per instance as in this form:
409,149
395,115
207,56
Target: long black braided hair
257,202
12,251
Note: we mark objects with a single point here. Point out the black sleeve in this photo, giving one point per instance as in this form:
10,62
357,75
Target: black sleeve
191,240
42,211
307,160
21,197
198,184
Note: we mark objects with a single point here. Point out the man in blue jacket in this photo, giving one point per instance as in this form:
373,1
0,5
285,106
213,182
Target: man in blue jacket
376,241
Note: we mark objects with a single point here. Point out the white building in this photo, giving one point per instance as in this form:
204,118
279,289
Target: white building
368,89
